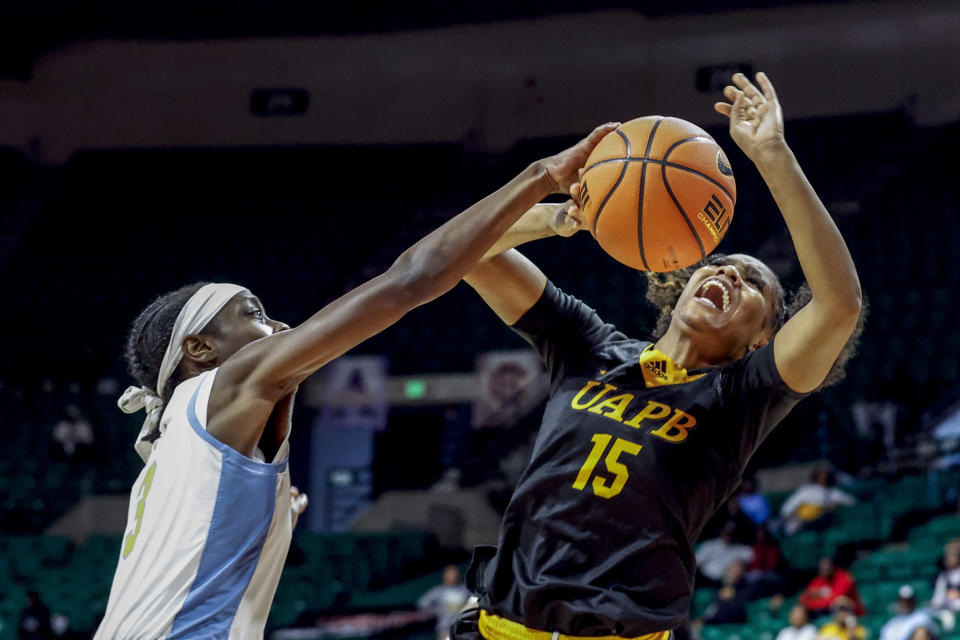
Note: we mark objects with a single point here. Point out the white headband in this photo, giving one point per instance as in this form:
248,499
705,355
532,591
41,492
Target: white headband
193,318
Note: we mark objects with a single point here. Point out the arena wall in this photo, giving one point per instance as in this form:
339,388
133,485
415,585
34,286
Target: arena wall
486,85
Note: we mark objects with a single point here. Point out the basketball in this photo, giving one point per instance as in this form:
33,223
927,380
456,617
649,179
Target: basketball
658,193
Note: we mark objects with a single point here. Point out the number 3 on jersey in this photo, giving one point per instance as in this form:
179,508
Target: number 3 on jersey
131,538
619,471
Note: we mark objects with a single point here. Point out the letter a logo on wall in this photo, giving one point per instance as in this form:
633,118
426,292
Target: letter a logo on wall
350,392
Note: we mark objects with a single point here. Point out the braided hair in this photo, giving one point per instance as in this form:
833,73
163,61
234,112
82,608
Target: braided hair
664,289
149,336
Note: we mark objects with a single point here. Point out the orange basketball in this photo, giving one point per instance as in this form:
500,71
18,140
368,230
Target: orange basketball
658,193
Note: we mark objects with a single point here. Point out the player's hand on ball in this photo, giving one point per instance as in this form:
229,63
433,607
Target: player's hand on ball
562,168
565,219
756,119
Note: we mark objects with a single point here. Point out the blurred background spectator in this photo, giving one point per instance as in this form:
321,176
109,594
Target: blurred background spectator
946,590
73,435
35,619
445,600
830,585
812,504
844,624
717,555
752,503
800,627
729,605
764,575
909,617
60,626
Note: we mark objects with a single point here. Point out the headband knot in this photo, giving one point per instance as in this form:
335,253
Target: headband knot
134,399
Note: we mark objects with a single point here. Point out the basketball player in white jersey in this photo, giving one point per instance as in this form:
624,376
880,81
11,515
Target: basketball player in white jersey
210,516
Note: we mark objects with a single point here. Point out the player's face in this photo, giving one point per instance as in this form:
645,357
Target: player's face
729,305
240,322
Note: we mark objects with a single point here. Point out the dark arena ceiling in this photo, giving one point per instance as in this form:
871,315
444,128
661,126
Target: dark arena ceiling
31,28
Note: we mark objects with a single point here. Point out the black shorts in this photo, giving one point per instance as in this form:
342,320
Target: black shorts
466,626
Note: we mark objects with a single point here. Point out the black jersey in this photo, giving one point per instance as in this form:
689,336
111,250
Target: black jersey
627,468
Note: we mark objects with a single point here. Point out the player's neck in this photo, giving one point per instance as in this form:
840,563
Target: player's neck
688,352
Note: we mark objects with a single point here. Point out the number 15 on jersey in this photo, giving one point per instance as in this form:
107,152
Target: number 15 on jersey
614,466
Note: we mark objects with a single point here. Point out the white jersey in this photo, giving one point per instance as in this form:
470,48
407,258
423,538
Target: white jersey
207,534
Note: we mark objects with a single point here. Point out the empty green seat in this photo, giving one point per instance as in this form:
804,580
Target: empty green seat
802,550
758,610
877,596
873,623
769,628
946,527
701,598
923,590
728,632
55,550
376,549
866,572
413,547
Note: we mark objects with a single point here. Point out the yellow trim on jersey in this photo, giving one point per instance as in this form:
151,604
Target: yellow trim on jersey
659,370
493,627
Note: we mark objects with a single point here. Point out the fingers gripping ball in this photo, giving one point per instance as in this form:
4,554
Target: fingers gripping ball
658,193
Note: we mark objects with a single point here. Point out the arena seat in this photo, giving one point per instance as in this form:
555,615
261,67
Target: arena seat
862,527
330,571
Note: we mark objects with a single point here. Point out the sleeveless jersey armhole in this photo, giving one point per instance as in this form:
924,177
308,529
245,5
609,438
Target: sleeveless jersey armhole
197,406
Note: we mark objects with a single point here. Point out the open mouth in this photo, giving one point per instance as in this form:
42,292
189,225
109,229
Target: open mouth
716,293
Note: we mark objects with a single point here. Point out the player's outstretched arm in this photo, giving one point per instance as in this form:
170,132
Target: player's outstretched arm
510,283
809,343
252,380
542,221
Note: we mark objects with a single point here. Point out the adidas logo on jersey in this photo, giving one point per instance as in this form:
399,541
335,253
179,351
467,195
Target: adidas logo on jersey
657,368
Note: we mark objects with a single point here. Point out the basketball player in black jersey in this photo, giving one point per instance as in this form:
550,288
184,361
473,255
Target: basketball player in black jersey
641,442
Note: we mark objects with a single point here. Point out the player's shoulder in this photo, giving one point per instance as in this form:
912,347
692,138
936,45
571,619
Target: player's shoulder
189,400
620,349
758,369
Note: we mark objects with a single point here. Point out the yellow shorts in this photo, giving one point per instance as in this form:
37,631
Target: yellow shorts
493,627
